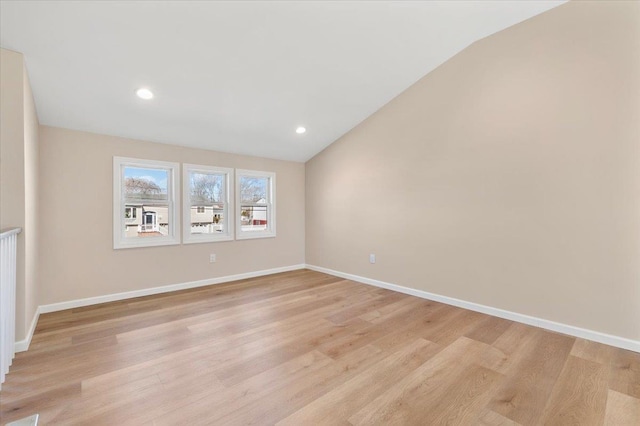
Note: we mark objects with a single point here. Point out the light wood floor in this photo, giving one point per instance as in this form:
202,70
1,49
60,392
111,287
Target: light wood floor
305,348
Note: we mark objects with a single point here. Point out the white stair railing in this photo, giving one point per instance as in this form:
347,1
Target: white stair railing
8,245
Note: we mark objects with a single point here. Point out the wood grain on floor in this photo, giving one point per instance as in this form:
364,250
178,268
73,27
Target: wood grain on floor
306,348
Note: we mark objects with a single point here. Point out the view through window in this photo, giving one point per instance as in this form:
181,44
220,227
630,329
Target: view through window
256,207
206,209
144,194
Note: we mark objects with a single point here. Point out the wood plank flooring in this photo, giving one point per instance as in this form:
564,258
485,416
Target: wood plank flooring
306,348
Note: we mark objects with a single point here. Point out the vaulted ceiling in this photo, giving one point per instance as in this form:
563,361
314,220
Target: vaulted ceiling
237,76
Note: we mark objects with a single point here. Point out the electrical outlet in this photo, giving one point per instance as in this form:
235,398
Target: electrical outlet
372,258
212,258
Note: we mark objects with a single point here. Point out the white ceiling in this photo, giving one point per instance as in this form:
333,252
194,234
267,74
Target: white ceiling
237,76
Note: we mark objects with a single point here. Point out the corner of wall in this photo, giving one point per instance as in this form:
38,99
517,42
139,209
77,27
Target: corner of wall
32,205
19,129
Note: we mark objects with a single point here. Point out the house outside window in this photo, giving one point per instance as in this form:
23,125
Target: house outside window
144,210
207,207
255,204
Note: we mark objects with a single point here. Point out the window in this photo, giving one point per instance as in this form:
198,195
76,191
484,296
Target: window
255,204
144,211
130,212
206,207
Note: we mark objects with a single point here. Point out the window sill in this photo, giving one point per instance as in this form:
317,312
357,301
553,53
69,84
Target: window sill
117,245
246,236
196,240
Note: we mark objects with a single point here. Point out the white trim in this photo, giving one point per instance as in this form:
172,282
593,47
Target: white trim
54,307
23,345
271,206
173,192
227,235
596,336
9,232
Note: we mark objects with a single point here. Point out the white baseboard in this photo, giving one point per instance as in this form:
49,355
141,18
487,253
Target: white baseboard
54,307
23,345
596,336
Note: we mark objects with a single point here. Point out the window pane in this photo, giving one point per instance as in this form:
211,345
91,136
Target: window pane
253,189
253,218
146,207
207,209
206,188
208,219
144,220
255,215
145,185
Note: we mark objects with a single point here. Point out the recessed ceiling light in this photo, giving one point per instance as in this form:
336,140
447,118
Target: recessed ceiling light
300,130
144,93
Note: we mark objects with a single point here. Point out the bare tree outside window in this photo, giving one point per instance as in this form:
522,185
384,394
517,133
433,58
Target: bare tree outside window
253,189
206,188
134,185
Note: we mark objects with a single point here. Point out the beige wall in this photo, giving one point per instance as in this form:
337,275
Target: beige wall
506,177
77,257
31,202
18,180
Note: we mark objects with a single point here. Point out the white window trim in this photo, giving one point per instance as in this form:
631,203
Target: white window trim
271,206
134,213
187,236
173,188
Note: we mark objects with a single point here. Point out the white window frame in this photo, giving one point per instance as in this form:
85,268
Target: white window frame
134,213
173,194
271,206
227,235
